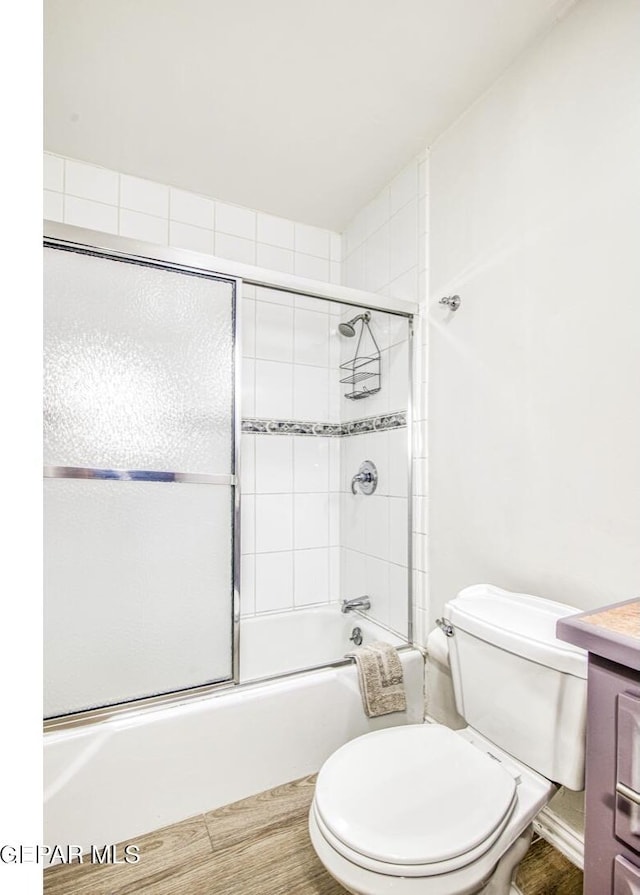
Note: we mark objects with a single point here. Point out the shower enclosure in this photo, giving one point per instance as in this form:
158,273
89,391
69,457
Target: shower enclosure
204,432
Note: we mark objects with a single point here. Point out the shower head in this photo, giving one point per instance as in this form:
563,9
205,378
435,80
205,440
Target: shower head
348,329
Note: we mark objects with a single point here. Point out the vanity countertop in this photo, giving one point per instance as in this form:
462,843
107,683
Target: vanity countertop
612,632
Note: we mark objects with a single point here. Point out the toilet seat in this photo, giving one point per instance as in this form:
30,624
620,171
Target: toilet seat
413,801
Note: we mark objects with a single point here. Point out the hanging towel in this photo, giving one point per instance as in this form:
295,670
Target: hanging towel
380,678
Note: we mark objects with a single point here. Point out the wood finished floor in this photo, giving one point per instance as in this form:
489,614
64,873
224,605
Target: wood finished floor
259,846
544,871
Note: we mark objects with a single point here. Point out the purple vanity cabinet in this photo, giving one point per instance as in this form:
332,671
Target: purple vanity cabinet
612,804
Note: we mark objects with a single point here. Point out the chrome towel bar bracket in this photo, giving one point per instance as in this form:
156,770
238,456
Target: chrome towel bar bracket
451,301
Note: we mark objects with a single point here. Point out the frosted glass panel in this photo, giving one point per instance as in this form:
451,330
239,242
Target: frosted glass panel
138,366
139,584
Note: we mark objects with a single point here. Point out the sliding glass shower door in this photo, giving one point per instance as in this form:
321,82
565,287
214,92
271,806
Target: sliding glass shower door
140,479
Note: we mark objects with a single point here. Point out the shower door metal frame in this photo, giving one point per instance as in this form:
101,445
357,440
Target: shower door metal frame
89,242
93,242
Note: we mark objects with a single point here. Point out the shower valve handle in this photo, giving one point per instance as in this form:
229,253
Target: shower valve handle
360,477
366,477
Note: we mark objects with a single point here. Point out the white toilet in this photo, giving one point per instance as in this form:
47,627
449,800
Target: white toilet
425,810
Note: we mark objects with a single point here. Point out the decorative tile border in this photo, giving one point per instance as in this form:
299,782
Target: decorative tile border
375,423
290,427
325,430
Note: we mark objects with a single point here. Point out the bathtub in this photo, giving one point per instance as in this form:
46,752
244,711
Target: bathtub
141,769
283,642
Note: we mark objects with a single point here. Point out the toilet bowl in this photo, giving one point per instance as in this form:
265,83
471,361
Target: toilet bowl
425,810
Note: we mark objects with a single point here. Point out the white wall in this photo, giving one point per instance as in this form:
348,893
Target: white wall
534,429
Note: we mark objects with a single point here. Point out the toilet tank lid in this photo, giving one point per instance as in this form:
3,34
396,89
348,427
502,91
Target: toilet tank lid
520,623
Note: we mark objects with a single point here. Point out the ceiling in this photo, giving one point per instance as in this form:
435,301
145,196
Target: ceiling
300,108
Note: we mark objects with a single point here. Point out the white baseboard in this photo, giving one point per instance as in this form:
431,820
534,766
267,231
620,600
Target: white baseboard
558,833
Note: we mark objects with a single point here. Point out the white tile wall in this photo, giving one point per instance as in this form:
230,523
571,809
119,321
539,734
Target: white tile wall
189,208
90,214
274,464
275,231
289,523
311,392
96,198
311,338
391,335
275,296
53,173
288,347
248,464
146,227
188,236
398,605
380,245
377,588
289,361
342,545
90,182
235,248
236,221
374,529
312,241
53,206
248,584
334,465
248,522
248,323
311,576
312,520
144,196
274,522
248,398
311,464
385,250
274,390
311,267
274,581
275,258
403,241
334,574
376,260
303,537
274,332
376,526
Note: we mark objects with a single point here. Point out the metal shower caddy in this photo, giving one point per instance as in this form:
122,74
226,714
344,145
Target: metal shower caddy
364,369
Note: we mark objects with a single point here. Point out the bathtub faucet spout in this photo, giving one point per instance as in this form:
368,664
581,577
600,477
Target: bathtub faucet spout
357,603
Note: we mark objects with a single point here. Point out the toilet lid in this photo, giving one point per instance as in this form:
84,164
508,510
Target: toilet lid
419,794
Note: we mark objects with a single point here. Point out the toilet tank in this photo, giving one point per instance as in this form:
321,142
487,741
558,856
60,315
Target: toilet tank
516,683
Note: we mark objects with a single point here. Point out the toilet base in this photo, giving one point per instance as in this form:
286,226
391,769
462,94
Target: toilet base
500,882
464,881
